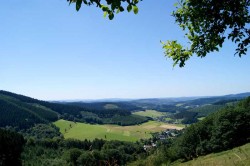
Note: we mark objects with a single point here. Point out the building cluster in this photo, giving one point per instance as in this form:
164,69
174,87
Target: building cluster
167,134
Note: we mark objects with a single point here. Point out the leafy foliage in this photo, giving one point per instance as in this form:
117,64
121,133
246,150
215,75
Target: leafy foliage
208,25
109,7
41,131
75,152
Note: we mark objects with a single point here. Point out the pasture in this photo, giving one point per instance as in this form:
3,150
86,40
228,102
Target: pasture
133,133
150,113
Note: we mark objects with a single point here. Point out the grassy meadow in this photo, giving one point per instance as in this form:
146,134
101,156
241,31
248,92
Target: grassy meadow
83,131
150,113
239,156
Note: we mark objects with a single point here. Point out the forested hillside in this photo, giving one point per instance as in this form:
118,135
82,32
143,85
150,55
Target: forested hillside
23,115
222,130
194,113
23,112
106,105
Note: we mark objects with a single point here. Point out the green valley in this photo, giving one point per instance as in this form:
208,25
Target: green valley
124,132
133,133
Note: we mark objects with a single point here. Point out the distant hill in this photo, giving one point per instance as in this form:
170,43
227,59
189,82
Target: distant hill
126,106
23,112
174,104
163,101
239,95
212,100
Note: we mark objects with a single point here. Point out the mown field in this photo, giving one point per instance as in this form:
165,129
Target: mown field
150,113
83,131
239,156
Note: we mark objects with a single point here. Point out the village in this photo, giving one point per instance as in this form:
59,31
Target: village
166,135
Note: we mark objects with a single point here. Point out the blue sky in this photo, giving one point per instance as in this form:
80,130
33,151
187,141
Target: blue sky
51,52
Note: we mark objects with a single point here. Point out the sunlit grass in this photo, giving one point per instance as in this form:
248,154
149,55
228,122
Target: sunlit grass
239,156
150,113
133,133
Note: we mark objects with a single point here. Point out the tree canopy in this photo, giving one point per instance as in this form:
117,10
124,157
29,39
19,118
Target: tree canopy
206,23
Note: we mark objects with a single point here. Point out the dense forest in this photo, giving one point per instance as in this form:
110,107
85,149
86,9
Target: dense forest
11,146
23,112
74,152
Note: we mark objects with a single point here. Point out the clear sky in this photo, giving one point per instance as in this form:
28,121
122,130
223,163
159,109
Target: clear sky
51,52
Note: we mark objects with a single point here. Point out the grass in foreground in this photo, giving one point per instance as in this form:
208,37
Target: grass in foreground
134,133
239,156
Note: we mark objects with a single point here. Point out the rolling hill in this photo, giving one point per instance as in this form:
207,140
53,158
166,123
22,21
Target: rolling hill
23,112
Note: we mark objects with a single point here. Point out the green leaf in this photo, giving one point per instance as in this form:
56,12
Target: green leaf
129,8
121,8
105,14
135,9
78,5
117,11
111,16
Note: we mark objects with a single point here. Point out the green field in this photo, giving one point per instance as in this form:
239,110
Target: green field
201,118
239,156
83,131
111,106
150,113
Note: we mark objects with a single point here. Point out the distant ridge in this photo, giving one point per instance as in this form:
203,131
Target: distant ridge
243,95
154,99
166,100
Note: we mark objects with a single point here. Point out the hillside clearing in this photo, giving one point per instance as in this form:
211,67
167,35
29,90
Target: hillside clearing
134,133
150,113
